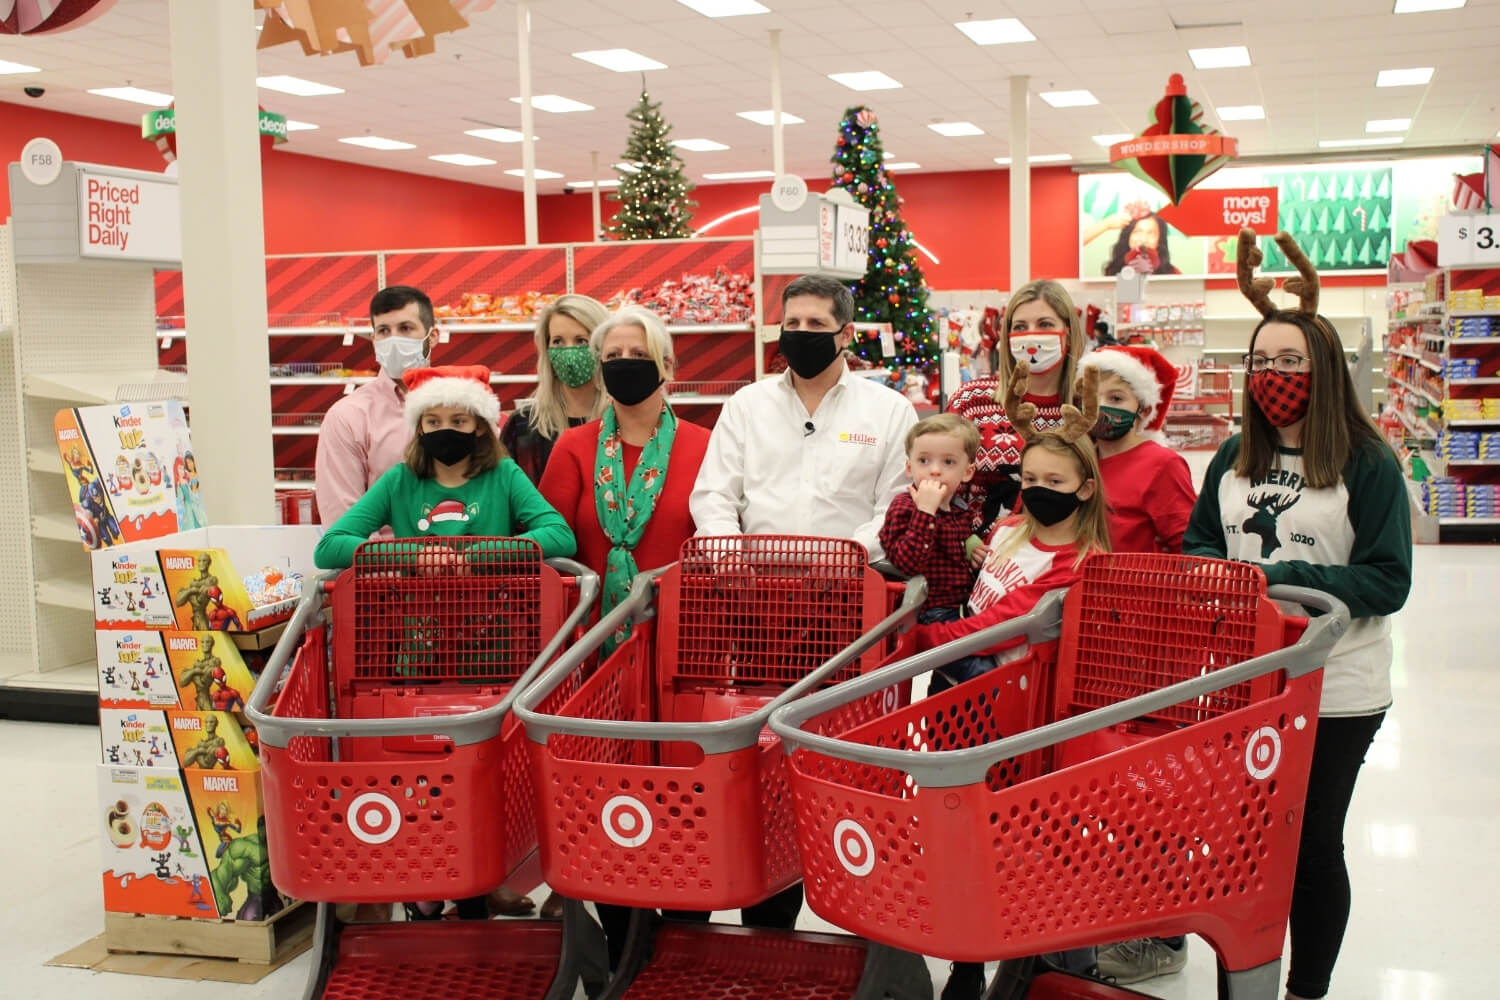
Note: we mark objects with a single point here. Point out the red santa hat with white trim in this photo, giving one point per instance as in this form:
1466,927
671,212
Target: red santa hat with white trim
466,387
1150,376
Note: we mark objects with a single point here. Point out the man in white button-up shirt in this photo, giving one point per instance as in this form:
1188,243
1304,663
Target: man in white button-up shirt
816,450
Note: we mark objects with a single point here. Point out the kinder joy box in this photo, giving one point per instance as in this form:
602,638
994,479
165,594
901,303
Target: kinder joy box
220,579
228,808
154,861
211,741
140,668
136,737
130,471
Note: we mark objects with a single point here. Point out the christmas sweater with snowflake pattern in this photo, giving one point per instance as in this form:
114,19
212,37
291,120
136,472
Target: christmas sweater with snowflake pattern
998,464
1351,540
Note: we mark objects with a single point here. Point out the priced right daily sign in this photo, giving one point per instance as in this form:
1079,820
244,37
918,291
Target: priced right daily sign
1466,240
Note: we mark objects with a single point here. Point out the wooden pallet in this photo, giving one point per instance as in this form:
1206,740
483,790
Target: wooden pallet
265,942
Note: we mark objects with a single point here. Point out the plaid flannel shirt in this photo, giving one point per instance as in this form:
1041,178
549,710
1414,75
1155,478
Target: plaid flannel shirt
932,545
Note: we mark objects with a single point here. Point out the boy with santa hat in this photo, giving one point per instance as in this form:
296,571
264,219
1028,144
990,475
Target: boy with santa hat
1149,486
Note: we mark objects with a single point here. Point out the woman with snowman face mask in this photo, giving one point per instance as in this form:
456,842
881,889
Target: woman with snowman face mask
1041,327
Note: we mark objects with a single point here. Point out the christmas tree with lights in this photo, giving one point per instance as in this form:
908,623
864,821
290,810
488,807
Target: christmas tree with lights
653,189
893,290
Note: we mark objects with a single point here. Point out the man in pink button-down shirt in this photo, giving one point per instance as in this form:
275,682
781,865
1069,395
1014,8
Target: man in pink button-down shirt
364,434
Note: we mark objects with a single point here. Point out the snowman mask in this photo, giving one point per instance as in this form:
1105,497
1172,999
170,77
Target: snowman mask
1043,350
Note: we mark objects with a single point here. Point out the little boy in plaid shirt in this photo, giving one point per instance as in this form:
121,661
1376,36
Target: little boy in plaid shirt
926,527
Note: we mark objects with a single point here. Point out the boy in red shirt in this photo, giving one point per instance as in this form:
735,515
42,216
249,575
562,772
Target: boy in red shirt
1149,486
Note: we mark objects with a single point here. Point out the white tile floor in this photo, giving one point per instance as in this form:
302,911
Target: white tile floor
1422,837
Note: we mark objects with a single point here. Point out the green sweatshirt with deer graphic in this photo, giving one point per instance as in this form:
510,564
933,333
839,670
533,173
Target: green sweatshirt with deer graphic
1351,540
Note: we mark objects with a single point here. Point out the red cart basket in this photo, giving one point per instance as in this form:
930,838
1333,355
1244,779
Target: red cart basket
658,783
1139,771
392,770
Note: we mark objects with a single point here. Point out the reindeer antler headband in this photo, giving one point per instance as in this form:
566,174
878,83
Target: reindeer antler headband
1305,286
1076,423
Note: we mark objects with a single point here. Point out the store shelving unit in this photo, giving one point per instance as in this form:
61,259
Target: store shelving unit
1439,414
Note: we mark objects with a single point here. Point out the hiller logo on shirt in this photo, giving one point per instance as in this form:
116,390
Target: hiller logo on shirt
868,440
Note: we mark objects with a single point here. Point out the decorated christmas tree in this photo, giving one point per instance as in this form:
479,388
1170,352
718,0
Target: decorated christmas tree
893,290
653,189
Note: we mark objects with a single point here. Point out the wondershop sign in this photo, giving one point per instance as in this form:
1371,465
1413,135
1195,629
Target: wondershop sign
1224,211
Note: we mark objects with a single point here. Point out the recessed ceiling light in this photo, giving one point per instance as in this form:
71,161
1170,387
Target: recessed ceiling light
725,8
868,80
135,95
699,145
590,184
296,126
541,175
764,117
620,60
376,142
1418,6
629,168
13,67
1112,138
1404,77
903,165
1004,161
1000,31
296,86
1069,98
1224,57
498,134
952,129
1388,125
555,103
1242,113
1374,140
463,160
739,175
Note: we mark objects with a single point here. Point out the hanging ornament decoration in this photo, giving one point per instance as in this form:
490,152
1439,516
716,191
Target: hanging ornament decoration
160,127
1176,151
866,118
372,29
40,17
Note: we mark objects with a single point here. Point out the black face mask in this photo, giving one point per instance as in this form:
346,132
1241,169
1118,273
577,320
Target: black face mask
448,445
1049,507
808,354
630,380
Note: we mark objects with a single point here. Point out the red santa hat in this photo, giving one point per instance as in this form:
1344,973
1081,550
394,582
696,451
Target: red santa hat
1150,376
466,387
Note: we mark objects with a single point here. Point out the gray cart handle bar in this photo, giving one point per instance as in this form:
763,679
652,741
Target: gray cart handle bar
713,737
463,728
951,768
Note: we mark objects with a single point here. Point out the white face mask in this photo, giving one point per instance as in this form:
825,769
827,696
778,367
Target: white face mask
398,355
1043,350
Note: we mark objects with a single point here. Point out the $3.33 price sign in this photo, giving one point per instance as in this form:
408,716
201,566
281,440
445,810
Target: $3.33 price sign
1466,240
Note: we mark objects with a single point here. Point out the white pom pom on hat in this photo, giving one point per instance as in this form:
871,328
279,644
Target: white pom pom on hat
466,387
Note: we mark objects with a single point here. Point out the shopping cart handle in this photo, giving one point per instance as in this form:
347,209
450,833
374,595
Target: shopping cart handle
313,600
951,768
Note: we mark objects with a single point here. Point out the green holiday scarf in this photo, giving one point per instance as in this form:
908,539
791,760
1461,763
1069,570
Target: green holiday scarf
625,508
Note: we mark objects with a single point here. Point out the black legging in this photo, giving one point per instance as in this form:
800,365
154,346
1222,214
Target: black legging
778,913
1320,896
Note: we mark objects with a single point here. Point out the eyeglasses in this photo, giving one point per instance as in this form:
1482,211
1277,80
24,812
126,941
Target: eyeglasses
1285,363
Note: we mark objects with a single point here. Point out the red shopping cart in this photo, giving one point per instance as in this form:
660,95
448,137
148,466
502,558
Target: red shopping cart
659,785
1140,770
393,771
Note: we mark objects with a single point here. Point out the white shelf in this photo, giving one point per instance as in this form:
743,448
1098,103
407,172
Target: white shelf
1240,350
1472,423
57,527
1469,461
1475,521
1417,431
692,399
1465,341
292,484
101,387
1473,381
361,379
451,326
1472,314
66,593
1411,388
294,431
43,460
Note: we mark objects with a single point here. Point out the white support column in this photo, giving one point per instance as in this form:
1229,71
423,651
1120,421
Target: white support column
223,256
594,195
1020,181
528,115
778,145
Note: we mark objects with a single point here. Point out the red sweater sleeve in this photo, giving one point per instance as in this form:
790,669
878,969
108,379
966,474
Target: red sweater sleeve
1172,501
1014,604
563,480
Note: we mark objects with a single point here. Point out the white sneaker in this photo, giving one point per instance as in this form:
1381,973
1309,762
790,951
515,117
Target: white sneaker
1136,961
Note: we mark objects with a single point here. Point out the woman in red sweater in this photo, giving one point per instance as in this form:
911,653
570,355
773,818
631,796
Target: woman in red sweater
622,481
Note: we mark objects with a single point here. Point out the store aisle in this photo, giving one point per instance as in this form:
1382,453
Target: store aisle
1422,835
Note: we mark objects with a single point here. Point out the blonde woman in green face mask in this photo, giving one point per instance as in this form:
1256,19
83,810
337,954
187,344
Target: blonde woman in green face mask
569,388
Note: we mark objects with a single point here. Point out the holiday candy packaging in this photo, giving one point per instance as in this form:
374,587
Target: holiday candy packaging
153,857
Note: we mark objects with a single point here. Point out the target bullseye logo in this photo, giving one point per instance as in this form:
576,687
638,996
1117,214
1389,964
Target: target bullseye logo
888,700
855,850
1263,753
374,818
626,821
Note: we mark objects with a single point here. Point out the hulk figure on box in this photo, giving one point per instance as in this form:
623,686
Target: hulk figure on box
245,860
